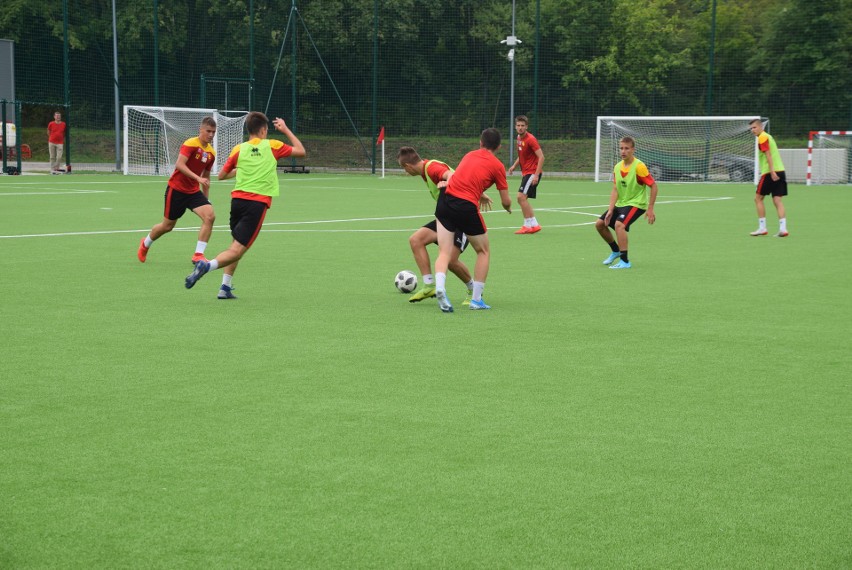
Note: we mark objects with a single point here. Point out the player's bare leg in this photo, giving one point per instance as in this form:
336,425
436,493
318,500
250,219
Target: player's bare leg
156,232
621,236
782,217
482,248
418,242
226,290
761,215
446,245
208,217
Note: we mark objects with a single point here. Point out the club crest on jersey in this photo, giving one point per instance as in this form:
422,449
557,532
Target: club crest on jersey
204,156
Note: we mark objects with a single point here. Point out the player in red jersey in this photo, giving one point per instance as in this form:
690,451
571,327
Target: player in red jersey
433,172
531,159
458,211
188,189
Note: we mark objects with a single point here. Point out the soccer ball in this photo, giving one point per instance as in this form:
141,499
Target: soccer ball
405,281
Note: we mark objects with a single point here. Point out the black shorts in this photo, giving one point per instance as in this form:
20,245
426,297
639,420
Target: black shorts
527,187
767,186
625,214
177,203
246,220
458,215
460,239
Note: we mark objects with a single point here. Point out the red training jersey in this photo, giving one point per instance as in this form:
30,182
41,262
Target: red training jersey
200,158
435,170
527,145
56,132
279,150
477,171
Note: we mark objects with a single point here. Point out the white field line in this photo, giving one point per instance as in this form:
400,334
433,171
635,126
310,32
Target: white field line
271,226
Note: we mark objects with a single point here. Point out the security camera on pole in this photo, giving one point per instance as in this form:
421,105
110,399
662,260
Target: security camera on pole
511,42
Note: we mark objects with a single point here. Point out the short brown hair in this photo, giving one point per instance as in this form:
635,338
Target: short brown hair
407,155
490,139
522,119
209,121
753,121
255,121
628,140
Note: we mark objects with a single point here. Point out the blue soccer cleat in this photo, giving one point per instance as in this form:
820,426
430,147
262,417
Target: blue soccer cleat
201,268
612,257
443,302
620,265
479,305
226,292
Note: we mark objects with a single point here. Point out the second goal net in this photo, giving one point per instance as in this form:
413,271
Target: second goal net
829,157
681,149
153,136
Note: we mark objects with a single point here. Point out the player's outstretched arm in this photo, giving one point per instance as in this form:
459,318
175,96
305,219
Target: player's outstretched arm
298,147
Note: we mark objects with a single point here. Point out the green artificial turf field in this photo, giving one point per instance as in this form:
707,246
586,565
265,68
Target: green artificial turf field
693,411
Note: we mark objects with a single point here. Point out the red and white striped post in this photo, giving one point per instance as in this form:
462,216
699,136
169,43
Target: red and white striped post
811,147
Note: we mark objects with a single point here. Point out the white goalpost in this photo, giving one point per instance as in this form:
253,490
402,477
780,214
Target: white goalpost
153,136
829,157
682,149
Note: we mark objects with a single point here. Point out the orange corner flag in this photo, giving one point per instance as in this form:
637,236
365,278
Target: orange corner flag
381,137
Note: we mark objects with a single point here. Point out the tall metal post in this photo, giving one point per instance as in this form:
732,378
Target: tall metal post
511,42
115,91
375,77
67,74
712,59
535,73
293,72
512,96
156,53
251,56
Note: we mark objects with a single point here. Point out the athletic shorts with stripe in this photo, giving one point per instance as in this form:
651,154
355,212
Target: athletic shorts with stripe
458,215
527,187
460,239
177,203
767,186
625,214
246,220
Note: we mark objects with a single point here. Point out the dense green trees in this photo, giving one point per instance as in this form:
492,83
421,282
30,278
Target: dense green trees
441,67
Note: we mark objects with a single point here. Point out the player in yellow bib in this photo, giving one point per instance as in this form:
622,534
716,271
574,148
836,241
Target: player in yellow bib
634,192
773,180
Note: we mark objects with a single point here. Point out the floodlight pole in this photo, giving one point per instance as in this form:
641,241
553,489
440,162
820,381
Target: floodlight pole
115,92
511,42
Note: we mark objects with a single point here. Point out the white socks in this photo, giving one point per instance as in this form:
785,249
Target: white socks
428,279
761,224
478,286
441,282
200,246
148,240
226,279
782,223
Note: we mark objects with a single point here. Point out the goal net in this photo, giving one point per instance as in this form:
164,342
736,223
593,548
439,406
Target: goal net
681,149
829,157
153,136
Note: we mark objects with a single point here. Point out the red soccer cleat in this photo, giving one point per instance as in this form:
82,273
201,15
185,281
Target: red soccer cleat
524,230
198,257
534,229
142,254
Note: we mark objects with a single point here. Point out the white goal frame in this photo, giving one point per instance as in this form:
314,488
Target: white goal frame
745,167
161,155
846,161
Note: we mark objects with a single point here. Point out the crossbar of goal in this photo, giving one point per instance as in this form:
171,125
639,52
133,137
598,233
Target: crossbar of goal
811,136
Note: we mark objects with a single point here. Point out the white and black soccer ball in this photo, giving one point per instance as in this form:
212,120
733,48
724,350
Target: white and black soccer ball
405,281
